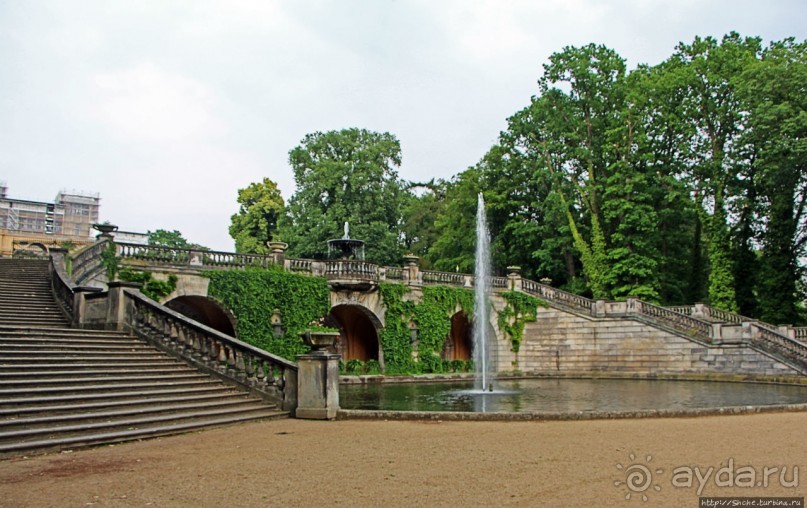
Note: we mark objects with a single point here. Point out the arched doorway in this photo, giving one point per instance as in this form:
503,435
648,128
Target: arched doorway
459,344
359,335
206,311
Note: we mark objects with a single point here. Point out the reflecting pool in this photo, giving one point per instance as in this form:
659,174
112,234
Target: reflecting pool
567,395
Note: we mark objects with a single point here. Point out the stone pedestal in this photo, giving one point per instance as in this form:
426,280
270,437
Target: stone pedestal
317,386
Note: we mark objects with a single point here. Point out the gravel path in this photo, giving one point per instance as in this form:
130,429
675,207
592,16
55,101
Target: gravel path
399,463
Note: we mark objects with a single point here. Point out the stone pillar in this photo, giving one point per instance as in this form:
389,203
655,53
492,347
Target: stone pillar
599,308
514,278
318,378
80,304
412,269
115,304
278,252
317,386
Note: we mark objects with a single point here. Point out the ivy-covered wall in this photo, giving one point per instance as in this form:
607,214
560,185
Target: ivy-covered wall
253,294
432,316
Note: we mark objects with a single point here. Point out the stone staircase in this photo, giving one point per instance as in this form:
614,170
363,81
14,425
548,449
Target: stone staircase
65,388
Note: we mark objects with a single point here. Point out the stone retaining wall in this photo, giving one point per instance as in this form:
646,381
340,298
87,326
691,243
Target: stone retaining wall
561,342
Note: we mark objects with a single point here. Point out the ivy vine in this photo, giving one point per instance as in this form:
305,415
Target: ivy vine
253,294
110,261
153,288
432,316
520,309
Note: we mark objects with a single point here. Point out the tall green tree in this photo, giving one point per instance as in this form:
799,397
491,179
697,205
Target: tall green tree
420,212
454,249
256,222
774,90
342,176
701,82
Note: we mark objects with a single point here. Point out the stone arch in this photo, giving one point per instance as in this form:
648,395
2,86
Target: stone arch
459,343
358,333
30,250
205,310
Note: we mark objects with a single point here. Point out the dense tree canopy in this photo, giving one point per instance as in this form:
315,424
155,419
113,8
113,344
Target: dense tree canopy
346,176
256,222
674,183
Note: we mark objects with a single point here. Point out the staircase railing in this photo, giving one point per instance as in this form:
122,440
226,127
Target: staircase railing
681,322
61,285
268,375
194,257
557,296
682,319
88,261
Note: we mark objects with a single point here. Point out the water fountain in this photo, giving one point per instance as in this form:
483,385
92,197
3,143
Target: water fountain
485,370
346,247
552,398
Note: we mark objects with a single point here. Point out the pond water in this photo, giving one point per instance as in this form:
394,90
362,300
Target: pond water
567,395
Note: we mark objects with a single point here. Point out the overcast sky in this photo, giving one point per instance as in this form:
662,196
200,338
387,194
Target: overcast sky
167,108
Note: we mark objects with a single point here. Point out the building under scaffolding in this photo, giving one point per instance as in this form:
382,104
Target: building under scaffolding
68,219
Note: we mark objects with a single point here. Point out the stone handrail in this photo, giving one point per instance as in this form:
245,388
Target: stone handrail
779,344
800,333
454,279
352,268
192,257
88,260
62,286
268,375
393,273
693,321
558,296
499,282
676,320
300,265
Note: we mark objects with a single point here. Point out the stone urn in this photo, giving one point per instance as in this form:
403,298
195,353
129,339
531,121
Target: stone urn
106,229
277,247
319,341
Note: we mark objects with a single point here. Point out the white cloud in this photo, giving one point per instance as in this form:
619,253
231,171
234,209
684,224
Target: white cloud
145,103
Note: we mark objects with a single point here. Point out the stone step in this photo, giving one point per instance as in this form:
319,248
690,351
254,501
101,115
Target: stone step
46,374
95,382
55,356
13,394
78,365
129,433
125,422
77,340
41,331
28,322
50,345
77,406
27,403
12,422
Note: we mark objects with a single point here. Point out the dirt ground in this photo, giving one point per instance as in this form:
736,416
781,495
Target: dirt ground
404,463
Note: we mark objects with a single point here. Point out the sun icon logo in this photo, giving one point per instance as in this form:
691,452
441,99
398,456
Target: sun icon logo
638,477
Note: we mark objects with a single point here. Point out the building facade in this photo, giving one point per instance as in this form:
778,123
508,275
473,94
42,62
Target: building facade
69,218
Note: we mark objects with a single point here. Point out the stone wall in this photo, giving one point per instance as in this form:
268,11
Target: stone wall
564,343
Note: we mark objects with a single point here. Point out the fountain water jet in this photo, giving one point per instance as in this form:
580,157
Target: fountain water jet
482,359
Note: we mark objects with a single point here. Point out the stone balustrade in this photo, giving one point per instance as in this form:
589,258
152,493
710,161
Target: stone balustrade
700,322
691,326
446,278
159,254
88,261
269,375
